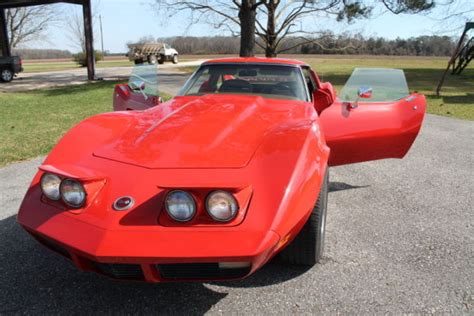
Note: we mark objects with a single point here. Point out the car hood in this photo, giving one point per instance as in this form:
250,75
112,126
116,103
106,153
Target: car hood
214,131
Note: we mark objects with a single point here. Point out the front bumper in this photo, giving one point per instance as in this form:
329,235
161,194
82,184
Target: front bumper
152,254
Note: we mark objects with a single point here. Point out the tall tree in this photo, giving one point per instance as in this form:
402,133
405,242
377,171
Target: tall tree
27,24
275,20
282,18
236,16
75,30
247,18
74,26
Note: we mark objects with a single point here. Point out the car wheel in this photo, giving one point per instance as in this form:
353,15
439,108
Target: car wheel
138,61
175,59
161,60
151,59
6,75
308,247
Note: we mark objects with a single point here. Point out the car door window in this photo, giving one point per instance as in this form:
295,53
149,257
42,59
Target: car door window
388,85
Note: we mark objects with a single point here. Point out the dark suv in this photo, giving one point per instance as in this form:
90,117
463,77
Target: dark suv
9,66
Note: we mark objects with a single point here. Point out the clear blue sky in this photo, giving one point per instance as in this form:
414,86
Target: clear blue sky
128,20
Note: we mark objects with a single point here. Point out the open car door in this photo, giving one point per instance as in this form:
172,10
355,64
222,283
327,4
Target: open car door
375,117
141,91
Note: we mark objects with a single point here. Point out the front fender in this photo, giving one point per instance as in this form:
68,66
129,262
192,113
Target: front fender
79,142
295,159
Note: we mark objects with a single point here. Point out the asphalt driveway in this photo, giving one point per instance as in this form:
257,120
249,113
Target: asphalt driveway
42,80
400,239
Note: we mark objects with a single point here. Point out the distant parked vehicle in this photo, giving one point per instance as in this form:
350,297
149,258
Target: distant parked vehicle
152,53
9,66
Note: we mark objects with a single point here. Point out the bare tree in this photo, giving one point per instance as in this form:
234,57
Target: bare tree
455,15
75,31
275,20
282,18
27,24
281,21
237,17
74,26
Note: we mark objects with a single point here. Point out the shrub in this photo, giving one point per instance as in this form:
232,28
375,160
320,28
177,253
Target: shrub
81,58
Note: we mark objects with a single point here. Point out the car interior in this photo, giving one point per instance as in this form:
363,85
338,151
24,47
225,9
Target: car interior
276,83
281,83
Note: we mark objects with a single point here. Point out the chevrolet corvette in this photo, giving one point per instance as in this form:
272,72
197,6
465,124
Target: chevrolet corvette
215,182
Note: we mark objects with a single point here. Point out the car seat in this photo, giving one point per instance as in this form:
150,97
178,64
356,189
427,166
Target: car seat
236,85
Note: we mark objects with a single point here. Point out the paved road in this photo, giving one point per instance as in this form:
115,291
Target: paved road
31,81
400,238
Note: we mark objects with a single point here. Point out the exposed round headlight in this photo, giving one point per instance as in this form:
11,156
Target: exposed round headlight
50,186
73,193
180,205
222,206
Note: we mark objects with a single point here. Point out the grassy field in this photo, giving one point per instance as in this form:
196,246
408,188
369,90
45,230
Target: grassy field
30,67
62,64
32,122
423,74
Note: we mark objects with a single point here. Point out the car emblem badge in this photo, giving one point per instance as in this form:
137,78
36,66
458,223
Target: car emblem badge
123,203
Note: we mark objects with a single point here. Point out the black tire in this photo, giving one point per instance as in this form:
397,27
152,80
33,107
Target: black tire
161,61
138,61
151,59
308,247
175,59
6,75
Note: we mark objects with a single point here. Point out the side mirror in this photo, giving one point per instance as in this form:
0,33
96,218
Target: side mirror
364,92
137,85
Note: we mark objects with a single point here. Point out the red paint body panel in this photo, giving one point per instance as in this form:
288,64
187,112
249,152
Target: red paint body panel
125,99
372,130
271,154
280,61
223,140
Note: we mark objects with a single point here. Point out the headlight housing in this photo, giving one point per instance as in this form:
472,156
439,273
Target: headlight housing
222,206
180,205
50,186
73,193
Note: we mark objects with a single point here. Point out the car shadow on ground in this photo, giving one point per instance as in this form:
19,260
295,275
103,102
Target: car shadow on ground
341,186
35,280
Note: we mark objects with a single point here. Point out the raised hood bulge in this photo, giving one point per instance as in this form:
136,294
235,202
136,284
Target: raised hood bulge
198,132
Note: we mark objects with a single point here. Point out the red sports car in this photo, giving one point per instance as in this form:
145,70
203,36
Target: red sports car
215,182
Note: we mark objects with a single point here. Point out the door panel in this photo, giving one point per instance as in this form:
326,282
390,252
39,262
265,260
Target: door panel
141,92
371,131
126,99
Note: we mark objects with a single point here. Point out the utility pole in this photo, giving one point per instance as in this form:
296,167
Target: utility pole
4,42
101,35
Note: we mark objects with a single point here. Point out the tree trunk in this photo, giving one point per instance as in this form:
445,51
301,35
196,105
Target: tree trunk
247,15
270,49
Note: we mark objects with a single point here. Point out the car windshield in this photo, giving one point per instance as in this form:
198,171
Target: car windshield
387,84
268,81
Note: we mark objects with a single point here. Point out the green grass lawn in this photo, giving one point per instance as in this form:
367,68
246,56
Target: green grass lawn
32,122
66,65
423,74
